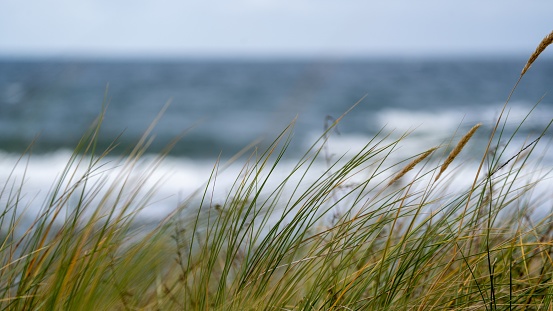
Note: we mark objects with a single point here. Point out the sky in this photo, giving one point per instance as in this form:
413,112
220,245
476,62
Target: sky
271,28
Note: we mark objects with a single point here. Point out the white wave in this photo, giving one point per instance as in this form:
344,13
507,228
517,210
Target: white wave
403,120
173,180
177,178
446,121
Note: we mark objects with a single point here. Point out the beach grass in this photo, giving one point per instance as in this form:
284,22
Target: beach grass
367,232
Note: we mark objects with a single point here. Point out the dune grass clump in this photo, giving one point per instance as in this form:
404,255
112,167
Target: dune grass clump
357,232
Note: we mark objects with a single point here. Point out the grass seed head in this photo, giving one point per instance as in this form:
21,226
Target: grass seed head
455,152
412,164
541,47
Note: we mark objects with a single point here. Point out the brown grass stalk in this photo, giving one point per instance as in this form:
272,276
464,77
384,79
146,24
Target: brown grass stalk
455,152
541,47
412,164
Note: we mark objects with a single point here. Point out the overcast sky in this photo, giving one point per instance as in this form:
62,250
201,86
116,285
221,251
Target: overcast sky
269,28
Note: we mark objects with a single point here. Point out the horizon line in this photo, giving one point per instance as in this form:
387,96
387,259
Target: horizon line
130,57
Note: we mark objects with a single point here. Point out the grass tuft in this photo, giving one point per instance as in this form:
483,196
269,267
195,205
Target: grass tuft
314,233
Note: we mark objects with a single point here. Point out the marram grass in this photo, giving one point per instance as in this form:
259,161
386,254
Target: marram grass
367,233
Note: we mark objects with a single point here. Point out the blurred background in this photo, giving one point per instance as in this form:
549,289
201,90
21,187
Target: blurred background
242,70
236,71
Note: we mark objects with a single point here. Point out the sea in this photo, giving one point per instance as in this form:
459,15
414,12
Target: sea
221,108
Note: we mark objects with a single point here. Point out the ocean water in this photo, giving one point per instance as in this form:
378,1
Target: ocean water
225,105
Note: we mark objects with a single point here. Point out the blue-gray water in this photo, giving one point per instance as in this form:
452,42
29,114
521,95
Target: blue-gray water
232,103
